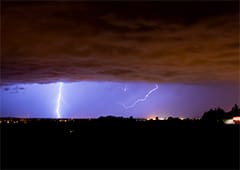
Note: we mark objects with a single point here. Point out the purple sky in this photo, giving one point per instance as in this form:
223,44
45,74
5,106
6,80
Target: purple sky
94,99
190,49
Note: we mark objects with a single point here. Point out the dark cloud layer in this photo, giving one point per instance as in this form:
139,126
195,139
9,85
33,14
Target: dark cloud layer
159,42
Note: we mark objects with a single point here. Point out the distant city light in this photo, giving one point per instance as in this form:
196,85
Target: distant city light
236,119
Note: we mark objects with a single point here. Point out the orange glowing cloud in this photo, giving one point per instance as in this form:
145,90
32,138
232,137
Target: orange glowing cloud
181,43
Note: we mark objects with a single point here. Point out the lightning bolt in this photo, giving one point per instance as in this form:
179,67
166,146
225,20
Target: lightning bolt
125,88
140,100
59,99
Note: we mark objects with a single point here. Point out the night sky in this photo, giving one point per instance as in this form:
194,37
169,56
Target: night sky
94,99
109,55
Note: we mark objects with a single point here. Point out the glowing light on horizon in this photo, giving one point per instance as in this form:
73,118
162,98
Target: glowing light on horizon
142,99
234,120
154,116
151,118
59,100
228,121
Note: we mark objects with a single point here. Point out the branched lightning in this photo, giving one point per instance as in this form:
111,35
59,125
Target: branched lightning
59,99
140,100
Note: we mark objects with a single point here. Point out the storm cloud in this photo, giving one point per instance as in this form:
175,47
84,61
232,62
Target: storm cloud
177,42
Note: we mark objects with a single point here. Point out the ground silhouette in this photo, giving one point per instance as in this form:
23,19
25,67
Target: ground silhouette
117,142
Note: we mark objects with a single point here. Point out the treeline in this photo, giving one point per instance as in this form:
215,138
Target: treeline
219,115
216,115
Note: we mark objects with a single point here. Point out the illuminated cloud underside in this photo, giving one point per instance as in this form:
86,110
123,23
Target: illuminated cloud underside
65,42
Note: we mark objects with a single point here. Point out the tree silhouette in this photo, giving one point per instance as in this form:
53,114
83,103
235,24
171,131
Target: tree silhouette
218,114
235,111
213,115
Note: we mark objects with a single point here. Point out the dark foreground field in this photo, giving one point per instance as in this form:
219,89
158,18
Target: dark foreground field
119,143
